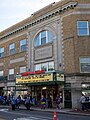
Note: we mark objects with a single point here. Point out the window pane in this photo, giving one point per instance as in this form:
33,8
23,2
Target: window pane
22,42
23,45
51,66
43,37
12,51
83,28
1,73
85,65
44,66
12,46
22,69
37,41
11,71
50,37
2,52
43,41
38,67
43,34
82,32
82,24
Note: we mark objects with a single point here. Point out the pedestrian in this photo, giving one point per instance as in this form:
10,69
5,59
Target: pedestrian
43,102
49,101
82,101
27,103
13,103
58,102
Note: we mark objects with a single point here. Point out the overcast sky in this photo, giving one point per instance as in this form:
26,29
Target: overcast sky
14,11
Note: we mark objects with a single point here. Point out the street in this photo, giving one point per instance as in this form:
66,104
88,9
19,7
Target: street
8,114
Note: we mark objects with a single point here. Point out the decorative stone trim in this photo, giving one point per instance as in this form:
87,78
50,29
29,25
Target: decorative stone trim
70,5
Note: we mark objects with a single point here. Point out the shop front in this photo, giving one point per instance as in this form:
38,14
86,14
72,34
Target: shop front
41,83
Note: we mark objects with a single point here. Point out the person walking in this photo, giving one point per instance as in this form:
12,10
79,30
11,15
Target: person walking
58,102
43,102
82,101
49,101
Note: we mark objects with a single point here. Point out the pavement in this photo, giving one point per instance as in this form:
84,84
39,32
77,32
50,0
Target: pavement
63,110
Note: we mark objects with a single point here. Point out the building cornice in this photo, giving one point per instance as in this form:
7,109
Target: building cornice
64,8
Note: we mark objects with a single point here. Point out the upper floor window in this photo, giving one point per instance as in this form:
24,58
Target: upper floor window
2,52
85,64
11,48
22,45
43,38
23,69
48,66
11,74
83,28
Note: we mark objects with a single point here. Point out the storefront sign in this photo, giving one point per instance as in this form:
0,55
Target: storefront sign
60,77
35,78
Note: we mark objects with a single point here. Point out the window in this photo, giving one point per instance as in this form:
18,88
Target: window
44,66
48,66
43,38
83,28
11,49
85,64
11,74
22,45
1,73
22,69
2,52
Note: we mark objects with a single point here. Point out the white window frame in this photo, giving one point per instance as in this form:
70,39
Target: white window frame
22,44
11,49
78,28
11,71
24,69
2,52
84,60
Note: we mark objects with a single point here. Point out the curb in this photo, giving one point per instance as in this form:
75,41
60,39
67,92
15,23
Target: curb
52,111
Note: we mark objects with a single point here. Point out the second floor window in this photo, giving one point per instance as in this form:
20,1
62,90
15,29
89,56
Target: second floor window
2,52
23,69
1,73
22,45
48,66
11,48
83,28
11,74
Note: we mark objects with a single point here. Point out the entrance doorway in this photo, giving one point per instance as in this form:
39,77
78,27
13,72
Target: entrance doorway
44,93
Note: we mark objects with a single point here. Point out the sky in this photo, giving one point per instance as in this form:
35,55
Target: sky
14,11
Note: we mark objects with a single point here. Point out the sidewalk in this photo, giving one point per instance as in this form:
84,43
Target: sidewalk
63,111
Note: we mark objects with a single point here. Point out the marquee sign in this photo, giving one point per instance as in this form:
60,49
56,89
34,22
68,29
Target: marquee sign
34,78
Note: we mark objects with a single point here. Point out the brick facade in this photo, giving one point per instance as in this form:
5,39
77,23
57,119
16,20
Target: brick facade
65,50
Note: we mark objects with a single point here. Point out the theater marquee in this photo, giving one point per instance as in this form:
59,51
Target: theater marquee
34,78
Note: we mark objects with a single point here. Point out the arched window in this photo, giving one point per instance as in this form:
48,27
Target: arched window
43,38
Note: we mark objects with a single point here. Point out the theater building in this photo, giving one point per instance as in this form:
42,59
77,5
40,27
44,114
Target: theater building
48,53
